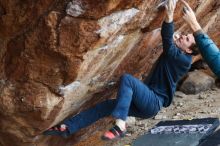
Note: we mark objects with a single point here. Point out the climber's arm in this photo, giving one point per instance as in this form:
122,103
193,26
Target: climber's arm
168,27
207,47
190,17
209,51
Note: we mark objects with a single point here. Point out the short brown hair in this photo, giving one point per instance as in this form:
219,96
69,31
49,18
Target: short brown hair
217,82
194,48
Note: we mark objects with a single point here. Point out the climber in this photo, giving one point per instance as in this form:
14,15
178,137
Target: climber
136,98
207,47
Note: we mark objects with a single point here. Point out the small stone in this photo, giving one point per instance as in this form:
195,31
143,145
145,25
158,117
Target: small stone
163,111
178,114
190,118
180,104
112,83
214,89
202,112
141,125
131,120
176,117
160,117
180,94
128,134
202,96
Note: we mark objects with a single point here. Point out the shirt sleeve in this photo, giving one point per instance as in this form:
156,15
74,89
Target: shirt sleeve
209,51
167,32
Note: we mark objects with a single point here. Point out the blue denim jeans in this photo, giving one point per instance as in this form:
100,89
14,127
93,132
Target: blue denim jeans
134,98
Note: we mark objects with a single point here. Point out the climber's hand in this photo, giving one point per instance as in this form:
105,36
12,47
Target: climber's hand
170,8
190,17
188,13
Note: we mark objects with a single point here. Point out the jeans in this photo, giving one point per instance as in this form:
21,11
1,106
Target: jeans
134,98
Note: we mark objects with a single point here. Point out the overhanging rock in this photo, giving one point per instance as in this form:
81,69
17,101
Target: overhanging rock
82,44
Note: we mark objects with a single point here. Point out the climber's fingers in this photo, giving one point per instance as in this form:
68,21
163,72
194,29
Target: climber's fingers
187,7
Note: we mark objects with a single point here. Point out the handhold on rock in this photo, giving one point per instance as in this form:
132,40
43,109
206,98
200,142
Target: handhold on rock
163,4
63,90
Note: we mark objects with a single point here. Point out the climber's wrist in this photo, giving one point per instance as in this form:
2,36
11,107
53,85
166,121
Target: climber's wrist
169,18
195,26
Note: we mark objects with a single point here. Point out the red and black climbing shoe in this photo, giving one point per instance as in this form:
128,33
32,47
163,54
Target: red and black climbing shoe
114,133
59,130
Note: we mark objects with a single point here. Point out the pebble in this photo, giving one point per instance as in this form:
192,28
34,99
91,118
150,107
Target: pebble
131,120
202,112
163,111
178,114
214,89
128,134
180,94
160,117
175,117
180,104
203,96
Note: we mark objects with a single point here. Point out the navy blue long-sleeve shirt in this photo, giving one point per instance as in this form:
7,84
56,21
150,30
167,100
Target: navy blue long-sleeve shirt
171,66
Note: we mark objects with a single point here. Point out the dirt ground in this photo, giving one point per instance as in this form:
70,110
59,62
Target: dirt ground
202,105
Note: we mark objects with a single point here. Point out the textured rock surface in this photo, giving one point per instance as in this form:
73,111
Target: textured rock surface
197,82
81,45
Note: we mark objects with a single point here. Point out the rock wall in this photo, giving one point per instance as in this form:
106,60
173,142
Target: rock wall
82,47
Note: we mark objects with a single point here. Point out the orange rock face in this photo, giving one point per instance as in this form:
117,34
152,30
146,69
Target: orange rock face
78,46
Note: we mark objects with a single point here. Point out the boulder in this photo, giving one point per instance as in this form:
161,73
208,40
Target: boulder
197,82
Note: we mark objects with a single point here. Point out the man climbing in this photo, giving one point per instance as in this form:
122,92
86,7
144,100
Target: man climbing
207,47
134,97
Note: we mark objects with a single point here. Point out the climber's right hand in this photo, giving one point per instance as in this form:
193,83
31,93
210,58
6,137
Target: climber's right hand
190,17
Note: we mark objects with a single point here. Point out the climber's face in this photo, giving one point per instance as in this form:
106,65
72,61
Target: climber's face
184,42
